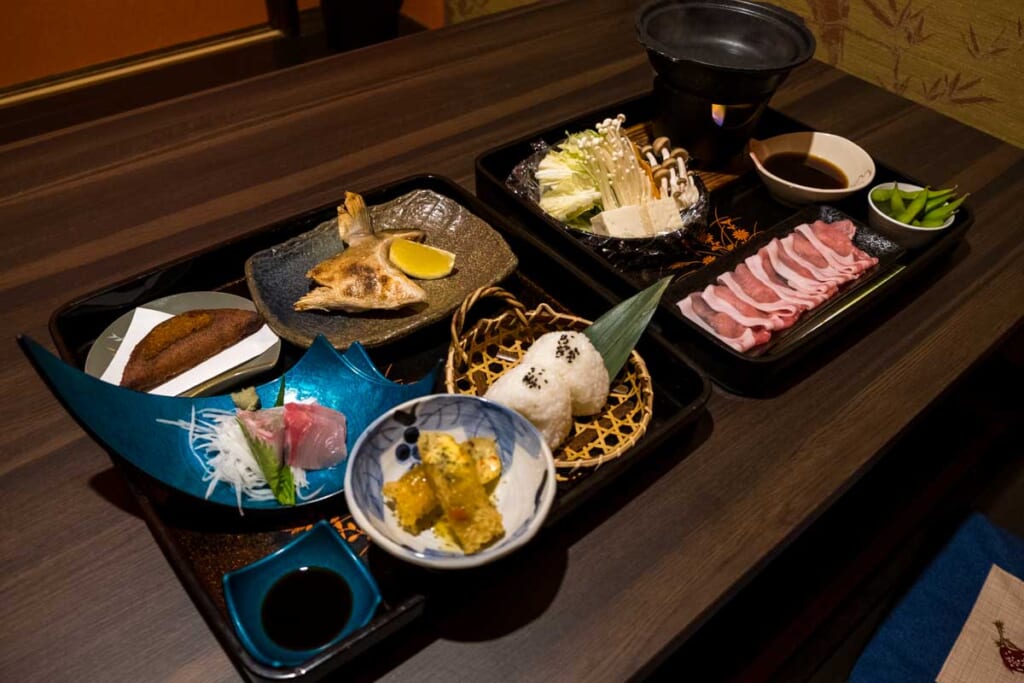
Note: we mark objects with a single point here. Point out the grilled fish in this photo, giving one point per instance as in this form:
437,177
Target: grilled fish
361,278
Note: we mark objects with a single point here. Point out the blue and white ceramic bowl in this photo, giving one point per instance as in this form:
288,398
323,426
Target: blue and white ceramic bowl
384,453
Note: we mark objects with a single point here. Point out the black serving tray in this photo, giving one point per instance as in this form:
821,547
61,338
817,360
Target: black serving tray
202,541
739,202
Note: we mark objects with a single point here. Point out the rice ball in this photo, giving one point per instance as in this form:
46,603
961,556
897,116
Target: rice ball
540,396
572,356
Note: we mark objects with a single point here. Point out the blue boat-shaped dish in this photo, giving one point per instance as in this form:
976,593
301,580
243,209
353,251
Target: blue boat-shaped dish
246,589
139,426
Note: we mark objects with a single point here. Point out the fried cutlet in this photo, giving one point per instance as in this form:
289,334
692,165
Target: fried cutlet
184,341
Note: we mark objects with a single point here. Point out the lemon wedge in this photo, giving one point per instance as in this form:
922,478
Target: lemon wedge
421,261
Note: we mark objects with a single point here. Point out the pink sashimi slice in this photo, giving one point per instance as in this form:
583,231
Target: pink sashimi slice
267,426
314,436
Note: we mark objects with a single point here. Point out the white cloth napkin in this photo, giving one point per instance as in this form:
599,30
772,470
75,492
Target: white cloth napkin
145,319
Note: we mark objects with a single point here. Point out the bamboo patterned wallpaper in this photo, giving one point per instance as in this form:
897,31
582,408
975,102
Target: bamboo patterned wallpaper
961,57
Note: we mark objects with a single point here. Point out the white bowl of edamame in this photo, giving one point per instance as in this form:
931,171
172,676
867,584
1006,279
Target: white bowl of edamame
883,214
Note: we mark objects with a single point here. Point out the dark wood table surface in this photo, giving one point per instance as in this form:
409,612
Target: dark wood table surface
85,592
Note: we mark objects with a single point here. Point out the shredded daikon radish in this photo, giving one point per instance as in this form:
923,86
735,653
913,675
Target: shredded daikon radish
216,440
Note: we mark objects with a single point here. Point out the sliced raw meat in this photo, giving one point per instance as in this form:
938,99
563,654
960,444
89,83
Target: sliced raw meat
798,277
745,285
761,266
739,337
314,436
798,248
771,288
835,242
723,300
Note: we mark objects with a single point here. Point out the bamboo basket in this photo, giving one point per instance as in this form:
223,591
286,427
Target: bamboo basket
478,356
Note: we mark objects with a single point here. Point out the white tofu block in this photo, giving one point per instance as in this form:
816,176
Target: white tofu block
625,221
662,215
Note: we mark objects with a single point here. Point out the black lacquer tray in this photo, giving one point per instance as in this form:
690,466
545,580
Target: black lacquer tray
202,542
741,212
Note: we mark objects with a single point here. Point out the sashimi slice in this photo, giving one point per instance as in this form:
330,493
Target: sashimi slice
737,336
747,287
723,300
314,436
266,426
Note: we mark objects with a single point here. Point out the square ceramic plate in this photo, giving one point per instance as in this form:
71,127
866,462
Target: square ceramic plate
277,276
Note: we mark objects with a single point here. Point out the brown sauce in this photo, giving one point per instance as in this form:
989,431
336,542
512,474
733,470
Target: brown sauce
806,170
306,608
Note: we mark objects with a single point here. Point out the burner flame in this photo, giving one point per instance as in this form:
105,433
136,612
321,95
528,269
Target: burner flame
718,114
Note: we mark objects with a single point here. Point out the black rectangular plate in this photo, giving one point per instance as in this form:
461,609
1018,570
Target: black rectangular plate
755,212
202,542
866,239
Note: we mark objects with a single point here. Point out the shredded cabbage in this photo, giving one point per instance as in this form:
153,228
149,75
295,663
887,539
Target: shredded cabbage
592,171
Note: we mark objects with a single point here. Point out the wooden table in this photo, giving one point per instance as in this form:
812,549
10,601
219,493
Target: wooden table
86,593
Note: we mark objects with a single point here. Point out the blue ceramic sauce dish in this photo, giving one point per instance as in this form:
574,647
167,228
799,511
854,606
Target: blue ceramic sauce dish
302,599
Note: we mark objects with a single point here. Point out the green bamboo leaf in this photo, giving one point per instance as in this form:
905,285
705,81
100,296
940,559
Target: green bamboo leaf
278,475
280,394
616,332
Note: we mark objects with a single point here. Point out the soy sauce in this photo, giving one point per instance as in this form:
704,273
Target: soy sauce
306,608
806,170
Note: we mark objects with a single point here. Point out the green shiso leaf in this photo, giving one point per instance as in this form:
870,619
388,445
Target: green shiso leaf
280,394
616,332
278,475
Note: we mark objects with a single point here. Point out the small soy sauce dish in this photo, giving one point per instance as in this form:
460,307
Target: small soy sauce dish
300,600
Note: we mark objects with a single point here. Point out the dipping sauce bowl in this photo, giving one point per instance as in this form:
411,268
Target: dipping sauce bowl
300,600
856,165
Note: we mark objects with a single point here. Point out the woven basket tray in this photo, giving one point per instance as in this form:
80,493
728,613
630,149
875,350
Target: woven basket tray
477,357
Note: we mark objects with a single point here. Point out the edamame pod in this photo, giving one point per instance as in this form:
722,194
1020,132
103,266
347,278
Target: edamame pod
884,194
896,205
928,224
945,211
913,208
937,200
